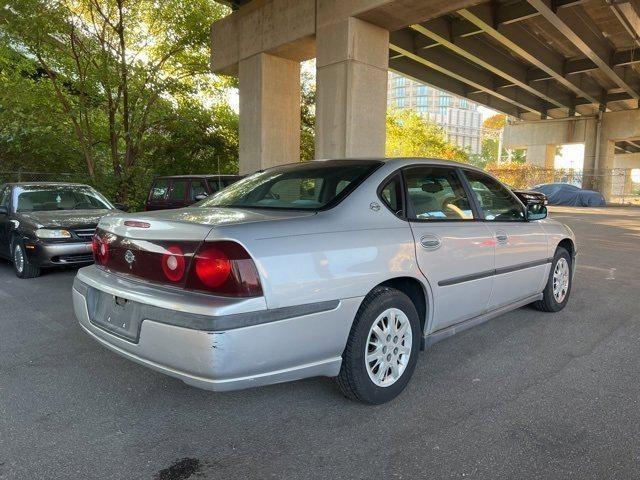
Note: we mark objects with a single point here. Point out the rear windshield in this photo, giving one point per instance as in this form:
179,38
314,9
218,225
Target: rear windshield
305,186
46,198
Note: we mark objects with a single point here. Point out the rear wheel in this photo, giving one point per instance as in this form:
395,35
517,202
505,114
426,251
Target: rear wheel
21,264
382,349
556,293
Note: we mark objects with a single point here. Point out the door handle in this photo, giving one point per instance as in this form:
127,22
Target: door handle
430,242
502,237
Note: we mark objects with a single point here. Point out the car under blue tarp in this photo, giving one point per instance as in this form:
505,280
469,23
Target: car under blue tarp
570,195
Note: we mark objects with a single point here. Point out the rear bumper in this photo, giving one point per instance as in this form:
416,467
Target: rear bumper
57,254
215,358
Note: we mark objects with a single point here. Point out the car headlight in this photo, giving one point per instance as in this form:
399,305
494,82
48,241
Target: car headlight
48,233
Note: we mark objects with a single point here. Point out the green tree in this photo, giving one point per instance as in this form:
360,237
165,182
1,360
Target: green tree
307,117
119,72
410,135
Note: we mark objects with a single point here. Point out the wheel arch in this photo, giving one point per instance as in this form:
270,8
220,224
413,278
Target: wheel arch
568,245
417,293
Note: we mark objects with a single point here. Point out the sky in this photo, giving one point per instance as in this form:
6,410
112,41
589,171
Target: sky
572,156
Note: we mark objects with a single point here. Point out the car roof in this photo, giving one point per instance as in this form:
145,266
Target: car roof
404,161
199,175
46,184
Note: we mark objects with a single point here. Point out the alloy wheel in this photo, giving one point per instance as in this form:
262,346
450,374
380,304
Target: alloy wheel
18,258
561,280
388,347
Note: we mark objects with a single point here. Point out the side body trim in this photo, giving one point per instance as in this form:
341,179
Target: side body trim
490,273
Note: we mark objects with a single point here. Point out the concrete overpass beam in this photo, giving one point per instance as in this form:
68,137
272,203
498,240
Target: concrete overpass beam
269,112
351,89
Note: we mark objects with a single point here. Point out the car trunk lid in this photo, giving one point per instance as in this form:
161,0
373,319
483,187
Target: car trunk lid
190,224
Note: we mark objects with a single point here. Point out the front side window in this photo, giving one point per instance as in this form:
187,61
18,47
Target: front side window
436,193
495,201
197,188
305,186
47,198
215,184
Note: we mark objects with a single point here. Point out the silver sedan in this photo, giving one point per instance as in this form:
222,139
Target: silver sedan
338,268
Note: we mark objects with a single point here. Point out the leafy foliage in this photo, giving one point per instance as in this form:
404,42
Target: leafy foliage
410,135
495,122
115,89
307,117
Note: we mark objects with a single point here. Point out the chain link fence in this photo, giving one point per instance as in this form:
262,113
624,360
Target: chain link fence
623,184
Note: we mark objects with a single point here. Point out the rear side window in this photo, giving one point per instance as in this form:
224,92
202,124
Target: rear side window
436,193
4,197
159,189
178,190
391,195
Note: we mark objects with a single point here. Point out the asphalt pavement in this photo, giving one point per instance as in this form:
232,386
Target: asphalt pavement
525,395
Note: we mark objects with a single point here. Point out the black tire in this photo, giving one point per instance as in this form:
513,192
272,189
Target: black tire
549,303
28,269
354,380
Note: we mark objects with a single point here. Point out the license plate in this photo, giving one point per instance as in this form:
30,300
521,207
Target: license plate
116,315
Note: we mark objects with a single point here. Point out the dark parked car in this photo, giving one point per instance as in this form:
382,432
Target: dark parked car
183,190
48,224
530,196
570,195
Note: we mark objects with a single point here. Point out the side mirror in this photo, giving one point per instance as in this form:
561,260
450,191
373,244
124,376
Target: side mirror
201,196
4,210
121,206
536,211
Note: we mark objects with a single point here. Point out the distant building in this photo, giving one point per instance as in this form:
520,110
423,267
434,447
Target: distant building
459,117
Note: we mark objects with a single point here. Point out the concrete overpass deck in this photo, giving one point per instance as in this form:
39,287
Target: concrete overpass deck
535,60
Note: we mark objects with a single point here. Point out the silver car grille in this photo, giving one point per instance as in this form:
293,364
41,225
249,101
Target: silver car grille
85,233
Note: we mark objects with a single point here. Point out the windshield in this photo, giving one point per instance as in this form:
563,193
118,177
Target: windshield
305,186
41,198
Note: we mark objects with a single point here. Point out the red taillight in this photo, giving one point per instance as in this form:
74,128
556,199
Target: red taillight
224,268
213,267
100,250
173,264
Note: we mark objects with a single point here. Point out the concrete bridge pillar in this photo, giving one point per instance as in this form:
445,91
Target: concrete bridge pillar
351,88
589,163
603,180
542,155
269,112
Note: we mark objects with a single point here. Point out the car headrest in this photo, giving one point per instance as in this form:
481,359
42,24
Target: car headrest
432,187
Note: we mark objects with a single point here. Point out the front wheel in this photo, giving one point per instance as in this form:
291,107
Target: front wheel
556,293
21,264
382,349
